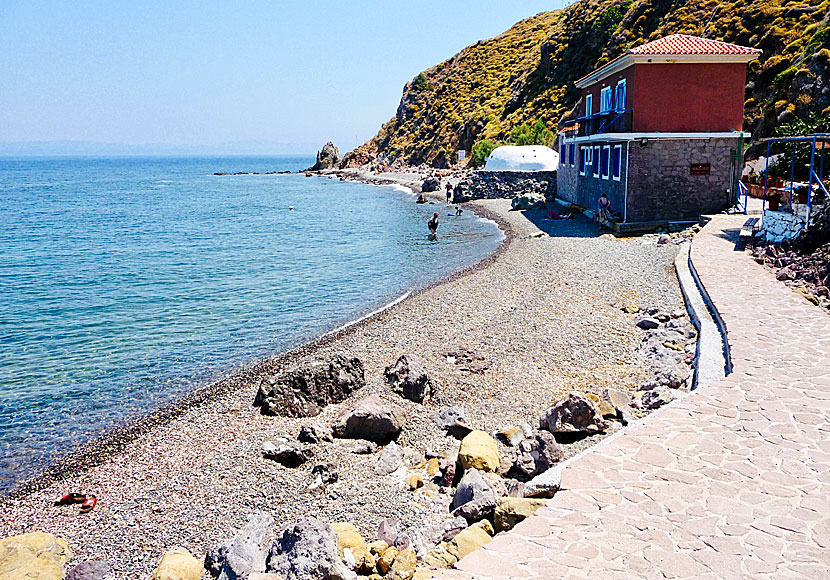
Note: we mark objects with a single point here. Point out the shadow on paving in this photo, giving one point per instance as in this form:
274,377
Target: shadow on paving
577,227
733,235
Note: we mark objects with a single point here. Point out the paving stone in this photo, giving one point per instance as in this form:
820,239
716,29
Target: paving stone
731,481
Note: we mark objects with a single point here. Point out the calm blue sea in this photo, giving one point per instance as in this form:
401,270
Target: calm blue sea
126,282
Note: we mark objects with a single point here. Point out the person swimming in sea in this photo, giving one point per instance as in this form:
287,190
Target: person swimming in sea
432,224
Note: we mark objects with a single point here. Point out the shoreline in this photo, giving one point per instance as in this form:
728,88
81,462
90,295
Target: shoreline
114,440
502,339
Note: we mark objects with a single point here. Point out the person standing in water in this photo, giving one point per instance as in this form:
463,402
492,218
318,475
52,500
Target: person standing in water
449,192
432,224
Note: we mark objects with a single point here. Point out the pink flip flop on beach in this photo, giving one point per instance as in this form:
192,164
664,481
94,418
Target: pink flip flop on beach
88,504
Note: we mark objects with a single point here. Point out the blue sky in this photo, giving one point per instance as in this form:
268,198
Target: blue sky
204,73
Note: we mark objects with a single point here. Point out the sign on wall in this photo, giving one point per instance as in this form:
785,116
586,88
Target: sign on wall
700,169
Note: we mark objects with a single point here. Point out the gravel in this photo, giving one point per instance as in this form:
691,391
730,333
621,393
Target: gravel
544,315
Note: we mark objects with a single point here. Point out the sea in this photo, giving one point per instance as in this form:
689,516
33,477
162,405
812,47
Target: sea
128,282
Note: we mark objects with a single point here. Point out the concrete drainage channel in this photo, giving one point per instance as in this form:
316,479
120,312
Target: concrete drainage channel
712,361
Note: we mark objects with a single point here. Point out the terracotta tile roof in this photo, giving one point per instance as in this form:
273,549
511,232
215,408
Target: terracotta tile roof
685,44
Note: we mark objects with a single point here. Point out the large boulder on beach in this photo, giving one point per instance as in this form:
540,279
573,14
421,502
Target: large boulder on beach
409,379
430,184
512,510
453,420
327,158
371,418
474,498
307,549
479,451
178,564
574,413
244,554
304,390
528,200
536,455
390,459
35,556
287,452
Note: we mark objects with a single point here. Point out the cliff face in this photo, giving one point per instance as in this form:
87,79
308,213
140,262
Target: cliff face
527,73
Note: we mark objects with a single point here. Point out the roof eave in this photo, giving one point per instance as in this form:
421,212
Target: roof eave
628,60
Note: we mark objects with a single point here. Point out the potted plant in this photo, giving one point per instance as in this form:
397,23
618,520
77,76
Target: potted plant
801,194
773,200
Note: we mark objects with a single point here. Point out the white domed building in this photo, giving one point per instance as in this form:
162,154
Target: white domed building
522,158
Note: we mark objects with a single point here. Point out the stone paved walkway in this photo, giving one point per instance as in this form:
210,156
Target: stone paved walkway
732,481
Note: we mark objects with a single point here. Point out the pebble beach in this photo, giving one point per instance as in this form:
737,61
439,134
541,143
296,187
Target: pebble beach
541,317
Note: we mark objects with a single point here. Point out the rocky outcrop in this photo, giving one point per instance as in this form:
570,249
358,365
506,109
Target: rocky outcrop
35,556
408,378
304,391
327,158
371,418
574,413
307,549
244,554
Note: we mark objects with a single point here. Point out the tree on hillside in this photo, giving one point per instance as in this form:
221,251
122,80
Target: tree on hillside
536,134
481,151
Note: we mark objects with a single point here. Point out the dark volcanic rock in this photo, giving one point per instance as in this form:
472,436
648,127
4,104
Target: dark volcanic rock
574,413
408,378
89,570
245,553
307,549
327,158
371,418
304,391
430,184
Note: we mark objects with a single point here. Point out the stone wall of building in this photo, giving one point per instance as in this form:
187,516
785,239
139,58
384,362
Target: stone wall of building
507,184
585,190
661,183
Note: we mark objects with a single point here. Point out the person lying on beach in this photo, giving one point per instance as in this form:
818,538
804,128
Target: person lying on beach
432,224
555,216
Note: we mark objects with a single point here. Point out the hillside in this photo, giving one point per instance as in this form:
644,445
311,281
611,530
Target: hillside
527,73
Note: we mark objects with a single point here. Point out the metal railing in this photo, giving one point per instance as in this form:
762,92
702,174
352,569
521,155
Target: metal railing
613,121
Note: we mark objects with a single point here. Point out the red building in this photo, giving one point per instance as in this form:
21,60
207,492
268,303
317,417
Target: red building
658,131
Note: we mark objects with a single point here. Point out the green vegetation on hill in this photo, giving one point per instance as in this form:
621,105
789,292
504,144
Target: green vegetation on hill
527,73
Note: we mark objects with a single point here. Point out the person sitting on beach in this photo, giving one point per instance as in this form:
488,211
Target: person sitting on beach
449,192
603,209
432,224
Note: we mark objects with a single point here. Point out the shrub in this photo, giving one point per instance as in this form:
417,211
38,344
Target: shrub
481,151
537,134
420,82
